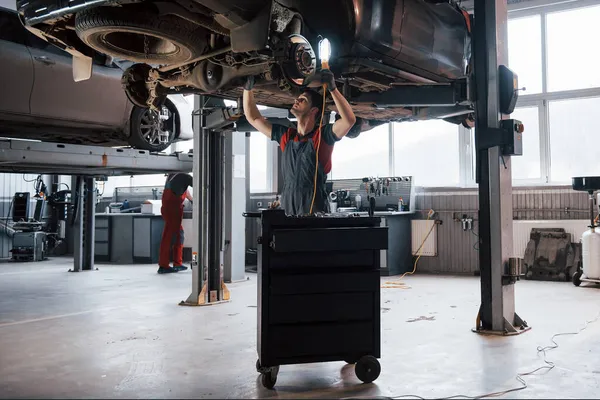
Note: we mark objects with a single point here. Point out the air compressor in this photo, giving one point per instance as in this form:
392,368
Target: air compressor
589,270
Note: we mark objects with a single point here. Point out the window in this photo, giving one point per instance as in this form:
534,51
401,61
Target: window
527,166
366,155
11,28
525,52
148,180
572,56
429,151
259,162
574,138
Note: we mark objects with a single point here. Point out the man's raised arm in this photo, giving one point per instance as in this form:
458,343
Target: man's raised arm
251,111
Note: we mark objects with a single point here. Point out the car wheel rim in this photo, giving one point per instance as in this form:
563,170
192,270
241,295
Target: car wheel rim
154,127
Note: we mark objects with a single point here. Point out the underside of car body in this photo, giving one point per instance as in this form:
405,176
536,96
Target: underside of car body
211,46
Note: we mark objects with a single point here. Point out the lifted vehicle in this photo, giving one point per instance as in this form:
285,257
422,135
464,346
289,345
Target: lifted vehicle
209,46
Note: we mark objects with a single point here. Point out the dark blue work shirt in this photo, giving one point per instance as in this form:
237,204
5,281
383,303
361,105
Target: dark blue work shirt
178,183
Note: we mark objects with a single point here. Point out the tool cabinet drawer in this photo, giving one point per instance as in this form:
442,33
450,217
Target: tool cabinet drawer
324,282
311,340
347,259
329,239
334,307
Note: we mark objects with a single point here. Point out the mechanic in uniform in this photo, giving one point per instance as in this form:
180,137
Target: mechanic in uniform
174,194
299,146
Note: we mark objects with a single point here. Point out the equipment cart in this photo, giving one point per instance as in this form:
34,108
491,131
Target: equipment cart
318,292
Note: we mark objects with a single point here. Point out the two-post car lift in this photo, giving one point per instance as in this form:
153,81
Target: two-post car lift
491,91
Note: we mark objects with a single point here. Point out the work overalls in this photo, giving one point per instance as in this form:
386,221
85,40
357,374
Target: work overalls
298,170
172,235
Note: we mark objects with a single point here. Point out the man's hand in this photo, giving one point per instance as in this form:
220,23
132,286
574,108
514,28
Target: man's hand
328,78
249,83
319,78
251,112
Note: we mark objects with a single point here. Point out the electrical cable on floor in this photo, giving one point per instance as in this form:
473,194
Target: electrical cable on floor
399,284
550,365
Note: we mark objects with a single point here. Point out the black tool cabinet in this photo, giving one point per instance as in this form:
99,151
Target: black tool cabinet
319,292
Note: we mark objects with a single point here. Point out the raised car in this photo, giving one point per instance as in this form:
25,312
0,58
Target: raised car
211,46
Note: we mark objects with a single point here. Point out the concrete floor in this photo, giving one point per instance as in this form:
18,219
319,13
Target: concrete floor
118,332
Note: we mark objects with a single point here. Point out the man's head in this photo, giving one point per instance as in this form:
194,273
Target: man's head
309,103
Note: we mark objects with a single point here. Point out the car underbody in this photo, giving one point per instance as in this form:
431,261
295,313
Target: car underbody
210,47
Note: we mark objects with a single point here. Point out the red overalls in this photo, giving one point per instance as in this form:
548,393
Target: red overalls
172,236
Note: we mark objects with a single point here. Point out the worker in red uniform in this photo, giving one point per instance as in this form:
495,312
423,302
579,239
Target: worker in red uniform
174,194
299,145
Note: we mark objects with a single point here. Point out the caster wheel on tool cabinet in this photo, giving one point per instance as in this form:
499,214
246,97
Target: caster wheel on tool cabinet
367,369
577,278
269,378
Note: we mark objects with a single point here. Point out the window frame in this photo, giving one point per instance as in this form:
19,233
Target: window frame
541,100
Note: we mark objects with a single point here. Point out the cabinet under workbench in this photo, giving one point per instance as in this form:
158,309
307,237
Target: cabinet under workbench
128,238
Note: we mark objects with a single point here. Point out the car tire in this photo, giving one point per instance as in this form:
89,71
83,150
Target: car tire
144,137
140,35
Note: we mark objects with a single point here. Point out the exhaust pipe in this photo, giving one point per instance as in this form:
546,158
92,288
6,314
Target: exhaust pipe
210,77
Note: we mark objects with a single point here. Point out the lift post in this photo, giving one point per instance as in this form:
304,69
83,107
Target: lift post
199,207
497,312
83,190
208,287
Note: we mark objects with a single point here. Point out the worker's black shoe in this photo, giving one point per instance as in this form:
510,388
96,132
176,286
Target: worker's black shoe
166,270
179,268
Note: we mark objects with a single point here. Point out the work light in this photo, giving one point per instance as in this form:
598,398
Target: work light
324,53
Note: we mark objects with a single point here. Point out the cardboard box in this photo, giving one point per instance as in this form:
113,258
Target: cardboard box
151,207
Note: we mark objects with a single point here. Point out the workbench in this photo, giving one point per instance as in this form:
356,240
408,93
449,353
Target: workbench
397,259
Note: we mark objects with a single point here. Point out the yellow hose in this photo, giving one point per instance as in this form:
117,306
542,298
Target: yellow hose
419,253
312,203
